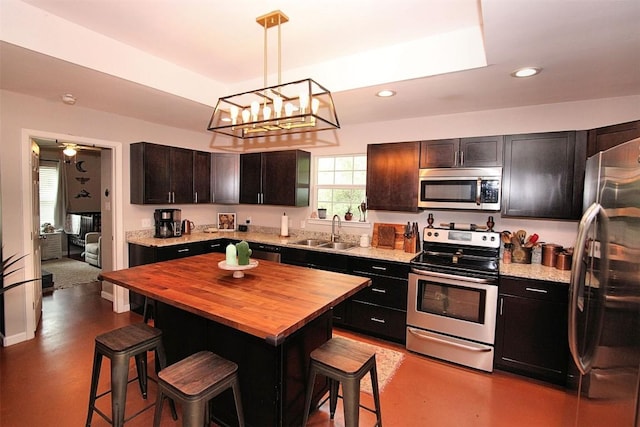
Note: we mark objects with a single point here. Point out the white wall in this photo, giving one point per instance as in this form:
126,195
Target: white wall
23,112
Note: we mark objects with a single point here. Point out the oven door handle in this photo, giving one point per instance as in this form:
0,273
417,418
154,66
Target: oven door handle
438,275
470,346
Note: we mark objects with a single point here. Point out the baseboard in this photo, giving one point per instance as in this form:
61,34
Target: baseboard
14,339
107,295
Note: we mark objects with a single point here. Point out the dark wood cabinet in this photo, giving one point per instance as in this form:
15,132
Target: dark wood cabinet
392,176
531,329
225,178
275,178
462,152
161,174
606,137
543,175
201,177
380,309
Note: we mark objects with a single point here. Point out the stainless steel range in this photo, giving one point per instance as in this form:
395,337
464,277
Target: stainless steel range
453,297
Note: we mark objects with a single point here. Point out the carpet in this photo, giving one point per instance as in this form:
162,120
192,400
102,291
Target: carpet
68,272
387,362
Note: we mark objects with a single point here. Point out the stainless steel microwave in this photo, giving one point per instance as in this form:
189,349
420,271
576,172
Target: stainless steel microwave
460,188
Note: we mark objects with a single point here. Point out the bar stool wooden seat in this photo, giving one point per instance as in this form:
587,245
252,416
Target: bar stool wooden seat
347,362
119,346
194,381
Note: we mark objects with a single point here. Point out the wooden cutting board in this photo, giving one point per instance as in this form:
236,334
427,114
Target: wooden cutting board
387,236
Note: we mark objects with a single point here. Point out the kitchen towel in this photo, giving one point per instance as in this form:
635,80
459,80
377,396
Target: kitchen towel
284,225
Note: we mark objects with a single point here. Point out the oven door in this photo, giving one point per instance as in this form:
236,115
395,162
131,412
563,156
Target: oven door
453,305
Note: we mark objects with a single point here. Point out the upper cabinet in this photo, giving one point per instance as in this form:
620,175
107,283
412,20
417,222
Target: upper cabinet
162,174
462,152
201,177
275,178
392,176
543,175
225,178
603,138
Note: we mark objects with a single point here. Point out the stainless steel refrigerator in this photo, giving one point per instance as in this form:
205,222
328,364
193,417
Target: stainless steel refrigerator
604,296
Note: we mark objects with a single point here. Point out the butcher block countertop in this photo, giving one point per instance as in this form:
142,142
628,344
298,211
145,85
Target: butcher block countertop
271,301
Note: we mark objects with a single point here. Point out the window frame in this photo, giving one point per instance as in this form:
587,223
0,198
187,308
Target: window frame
317,186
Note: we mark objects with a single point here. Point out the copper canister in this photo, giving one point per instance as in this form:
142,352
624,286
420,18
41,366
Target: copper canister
563,260
550,254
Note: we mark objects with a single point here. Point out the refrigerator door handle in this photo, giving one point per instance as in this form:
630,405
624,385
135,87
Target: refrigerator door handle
595,211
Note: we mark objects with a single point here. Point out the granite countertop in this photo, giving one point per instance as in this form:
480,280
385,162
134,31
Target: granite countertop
525,271
535,272
272,239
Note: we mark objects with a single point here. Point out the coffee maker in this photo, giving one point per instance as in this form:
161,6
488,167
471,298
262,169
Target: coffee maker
168,223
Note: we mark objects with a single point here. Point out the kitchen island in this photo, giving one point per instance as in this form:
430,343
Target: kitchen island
268,322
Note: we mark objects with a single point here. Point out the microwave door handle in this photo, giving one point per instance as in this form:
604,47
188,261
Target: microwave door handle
478,190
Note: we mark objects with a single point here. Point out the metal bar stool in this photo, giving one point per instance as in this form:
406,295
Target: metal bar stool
120,345
347,362
194,381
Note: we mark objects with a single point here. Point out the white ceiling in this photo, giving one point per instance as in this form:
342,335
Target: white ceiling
168,61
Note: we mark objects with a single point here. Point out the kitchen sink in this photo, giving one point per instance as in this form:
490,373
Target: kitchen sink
311,242
337,245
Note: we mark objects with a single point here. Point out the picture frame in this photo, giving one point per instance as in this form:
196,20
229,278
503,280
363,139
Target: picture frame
227,221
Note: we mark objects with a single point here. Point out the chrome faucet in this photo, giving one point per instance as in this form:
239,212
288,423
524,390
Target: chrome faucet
335,236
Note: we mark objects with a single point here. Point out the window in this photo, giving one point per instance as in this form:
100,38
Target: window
341,183
48,192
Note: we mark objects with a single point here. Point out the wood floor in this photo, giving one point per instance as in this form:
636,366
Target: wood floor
45,381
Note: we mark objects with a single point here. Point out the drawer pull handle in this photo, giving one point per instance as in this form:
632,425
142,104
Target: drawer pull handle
376,267
378,290
540,291
374,319
183,250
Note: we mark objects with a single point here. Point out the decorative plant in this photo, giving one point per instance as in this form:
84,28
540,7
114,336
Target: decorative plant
8,268
348,214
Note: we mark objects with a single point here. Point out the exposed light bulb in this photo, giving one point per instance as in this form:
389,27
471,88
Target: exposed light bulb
315,105
255,109
246,115
277,105
233,110
266,112
288,109
304,102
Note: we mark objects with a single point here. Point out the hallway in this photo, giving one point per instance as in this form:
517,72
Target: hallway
45,381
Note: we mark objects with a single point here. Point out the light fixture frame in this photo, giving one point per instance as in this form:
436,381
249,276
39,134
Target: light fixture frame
286,108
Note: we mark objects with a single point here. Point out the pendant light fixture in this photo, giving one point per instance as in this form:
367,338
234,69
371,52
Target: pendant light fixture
296,107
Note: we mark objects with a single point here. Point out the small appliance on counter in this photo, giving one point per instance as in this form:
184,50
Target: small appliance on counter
168,223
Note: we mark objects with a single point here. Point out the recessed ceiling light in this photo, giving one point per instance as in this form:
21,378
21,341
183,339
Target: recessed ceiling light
385,93
526,72
68,99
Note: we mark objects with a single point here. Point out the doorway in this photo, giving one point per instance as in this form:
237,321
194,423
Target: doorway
111,206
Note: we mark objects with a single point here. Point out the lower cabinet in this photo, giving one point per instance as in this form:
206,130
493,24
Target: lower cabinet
531,329
140,255
380,309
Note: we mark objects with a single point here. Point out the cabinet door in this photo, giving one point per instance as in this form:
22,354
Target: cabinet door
392,176
531,338
182,175
606,137
155,161
225,178
543,175
201,177
481,151
251,178
286,178
441,153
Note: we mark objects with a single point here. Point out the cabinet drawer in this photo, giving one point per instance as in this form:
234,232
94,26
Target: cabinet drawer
364,266
377,320
214,246
178,251
536,289
385,291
